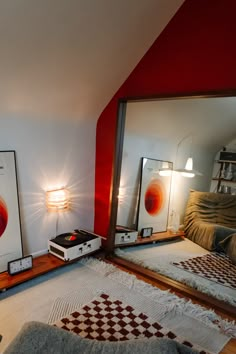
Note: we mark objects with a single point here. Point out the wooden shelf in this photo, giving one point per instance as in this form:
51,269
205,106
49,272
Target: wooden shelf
225,161
156,237
222,180
160,236
41,265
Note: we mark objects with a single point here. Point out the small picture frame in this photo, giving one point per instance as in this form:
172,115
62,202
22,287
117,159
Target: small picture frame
146,232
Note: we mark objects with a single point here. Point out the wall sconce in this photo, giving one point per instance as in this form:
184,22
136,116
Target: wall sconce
57,199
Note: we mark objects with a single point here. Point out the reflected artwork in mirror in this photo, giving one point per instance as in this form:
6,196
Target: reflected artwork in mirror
154,195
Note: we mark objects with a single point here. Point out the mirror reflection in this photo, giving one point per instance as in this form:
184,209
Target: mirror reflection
149,203
190,134
154,195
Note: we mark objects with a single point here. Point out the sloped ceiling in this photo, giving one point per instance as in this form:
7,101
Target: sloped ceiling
211,122
67,58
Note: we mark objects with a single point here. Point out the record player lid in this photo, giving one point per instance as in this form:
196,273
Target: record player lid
71,239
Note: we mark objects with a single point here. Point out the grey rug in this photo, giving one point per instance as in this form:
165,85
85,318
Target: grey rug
37,338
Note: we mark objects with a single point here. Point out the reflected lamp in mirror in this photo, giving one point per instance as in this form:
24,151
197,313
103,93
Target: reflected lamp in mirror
57,199
166,169
188,171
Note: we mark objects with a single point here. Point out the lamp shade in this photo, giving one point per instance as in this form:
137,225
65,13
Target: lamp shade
57,199
188,171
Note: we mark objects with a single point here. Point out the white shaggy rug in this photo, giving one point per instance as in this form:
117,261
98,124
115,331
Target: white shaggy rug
183,317
159,258
49,297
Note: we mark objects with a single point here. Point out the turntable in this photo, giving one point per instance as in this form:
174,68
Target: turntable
72,245
125,235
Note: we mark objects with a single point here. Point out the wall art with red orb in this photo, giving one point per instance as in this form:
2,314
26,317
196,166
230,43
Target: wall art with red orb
154,194
10,229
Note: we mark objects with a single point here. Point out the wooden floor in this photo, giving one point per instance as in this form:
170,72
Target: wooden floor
160,282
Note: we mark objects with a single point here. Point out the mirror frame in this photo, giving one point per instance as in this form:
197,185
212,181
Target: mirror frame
116,174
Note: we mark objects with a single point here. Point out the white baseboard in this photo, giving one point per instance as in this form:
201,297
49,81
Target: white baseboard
39,253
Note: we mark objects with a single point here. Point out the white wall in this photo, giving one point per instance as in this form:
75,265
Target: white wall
51,152
61,59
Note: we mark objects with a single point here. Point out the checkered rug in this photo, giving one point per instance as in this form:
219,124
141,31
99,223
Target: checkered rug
106,318
216,267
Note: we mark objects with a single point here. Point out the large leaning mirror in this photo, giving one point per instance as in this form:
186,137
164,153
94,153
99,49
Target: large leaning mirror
174,130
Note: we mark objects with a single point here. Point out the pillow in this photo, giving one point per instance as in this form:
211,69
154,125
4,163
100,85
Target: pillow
229,247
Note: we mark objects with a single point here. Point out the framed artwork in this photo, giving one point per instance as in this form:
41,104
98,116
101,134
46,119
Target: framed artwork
154,195
10,228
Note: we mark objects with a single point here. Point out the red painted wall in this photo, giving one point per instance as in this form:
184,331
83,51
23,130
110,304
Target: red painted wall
195,52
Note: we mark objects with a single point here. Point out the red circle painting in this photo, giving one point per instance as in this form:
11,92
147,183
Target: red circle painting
154,197
3,216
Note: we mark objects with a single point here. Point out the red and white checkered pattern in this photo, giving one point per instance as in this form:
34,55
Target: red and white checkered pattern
106,318
216,267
